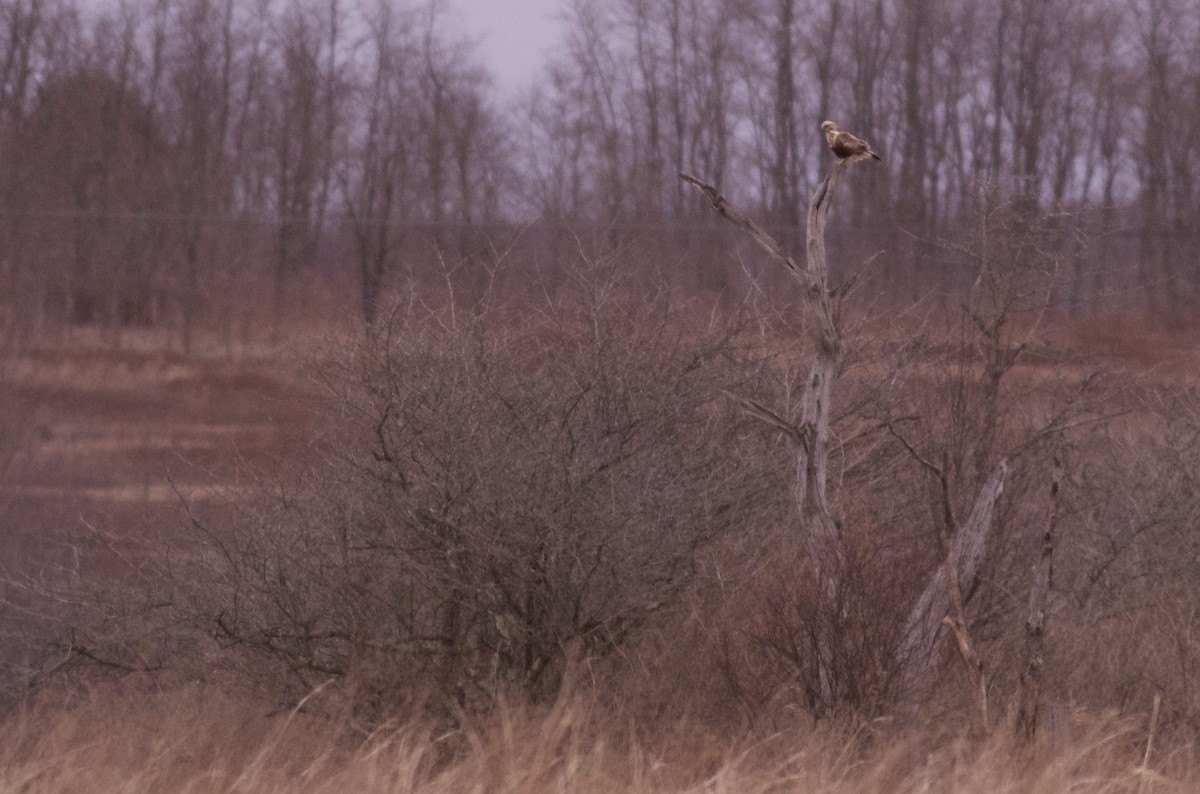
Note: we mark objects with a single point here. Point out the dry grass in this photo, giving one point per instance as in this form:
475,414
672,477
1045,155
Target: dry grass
202,741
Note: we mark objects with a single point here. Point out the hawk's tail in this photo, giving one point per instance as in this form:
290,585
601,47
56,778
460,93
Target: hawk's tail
877,157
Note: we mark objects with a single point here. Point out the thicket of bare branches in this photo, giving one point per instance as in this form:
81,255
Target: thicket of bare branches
507,487
508,494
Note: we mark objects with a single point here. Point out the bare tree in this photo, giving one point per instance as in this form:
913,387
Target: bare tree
785,170
374,177
1035,624
201,80
809,433
300,131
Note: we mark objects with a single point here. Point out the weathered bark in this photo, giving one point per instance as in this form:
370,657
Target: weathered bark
971,659
820,306
809,437
1035,624
964,551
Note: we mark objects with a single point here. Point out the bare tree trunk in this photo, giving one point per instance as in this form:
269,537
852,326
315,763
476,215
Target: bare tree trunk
785,169
1035,625
964,548
809,437
914,165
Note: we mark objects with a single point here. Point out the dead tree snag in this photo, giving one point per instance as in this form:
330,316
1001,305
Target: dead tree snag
1035,624
810,435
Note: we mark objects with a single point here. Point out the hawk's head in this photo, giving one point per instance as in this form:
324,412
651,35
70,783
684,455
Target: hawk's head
826,126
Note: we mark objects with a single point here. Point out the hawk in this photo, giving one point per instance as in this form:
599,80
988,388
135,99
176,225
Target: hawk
847,147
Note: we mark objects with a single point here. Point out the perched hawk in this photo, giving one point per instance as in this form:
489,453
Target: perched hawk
847,147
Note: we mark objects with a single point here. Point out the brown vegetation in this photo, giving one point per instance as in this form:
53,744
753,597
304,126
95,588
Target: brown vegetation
605,502
524,498
198,740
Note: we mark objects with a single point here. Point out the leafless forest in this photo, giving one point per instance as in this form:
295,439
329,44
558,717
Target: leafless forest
167,159
608,435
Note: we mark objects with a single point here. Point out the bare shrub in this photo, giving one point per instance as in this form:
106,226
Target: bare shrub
1129,627
507,488
860,621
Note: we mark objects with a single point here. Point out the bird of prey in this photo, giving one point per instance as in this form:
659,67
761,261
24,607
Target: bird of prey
847,147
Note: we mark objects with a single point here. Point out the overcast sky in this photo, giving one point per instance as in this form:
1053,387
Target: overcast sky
514,35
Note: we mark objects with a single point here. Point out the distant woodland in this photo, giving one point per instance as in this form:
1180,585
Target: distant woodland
189,164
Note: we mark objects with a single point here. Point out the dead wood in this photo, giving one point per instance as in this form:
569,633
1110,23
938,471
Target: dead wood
1035,624
963,552
810,435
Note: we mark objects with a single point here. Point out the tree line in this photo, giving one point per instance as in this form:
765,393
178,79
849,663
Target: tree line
163,157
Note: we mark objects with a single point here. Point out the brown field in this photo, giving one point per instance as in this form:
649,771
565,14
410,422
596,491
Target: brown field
112,443
118,439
